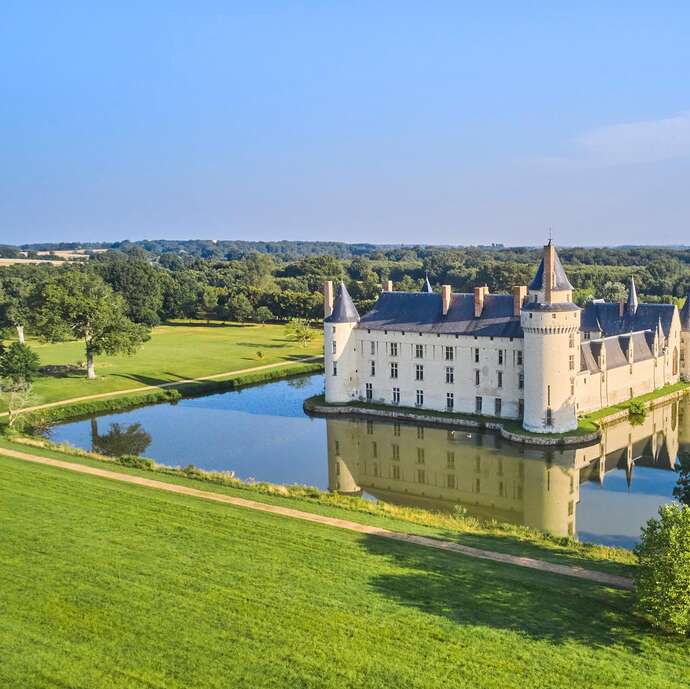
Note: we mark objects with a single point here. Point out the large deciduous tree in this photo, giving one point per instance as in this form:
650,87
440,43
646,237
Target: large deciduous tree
80,305
15,294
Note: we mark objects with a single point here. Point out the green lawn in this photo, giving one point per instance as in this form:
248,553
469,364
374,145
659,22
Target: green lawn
110,585
175,351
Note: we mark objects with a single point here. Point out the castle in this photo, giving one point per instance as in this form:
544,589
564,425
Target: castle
532,355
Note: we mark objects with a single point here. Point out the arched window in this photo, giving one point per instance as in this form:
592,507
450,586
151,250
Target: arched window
675,361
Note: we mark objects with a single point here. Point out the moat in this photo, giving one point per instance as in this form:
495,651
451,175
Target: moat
603,493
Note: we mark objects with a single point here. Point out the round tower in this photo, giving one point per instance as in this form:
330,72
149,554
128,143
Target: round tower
342,381
551,325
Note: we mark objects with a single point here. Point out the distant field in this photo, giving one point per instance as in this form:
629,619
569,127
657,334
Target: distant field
120,586
174,352
12,261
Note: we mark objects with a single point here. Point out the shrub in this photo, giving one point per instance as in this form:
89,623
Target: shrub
636,412
136,462
663,576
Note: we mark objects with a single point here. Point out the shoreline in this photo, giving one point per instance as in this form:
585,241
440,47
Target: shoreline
317,406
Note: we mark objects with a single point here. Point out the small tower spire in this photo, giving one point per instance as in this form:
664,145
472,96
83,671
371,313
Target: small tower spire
633,301
427,285
344,309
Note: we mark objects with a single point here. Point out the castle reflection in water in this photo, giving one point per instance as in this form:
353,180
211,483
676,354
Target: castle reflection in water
436,468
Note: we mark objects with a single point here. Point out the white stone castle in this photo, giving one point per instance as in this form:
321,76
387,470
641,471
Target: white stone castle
532,355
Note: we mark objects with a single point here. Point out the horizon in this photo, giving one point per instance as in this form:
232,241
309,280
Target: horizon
465,125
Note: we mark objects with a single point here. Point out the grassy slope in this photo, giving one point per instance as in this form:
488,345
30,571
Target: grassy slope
104,584
505,538
176,351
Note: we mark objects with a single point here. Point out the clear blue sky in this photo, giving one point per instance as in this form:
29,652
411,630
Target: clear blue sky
432,122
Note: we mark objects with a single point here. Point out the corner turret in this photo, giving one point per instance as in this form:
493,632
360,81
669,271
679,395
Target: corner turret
339,349
685,339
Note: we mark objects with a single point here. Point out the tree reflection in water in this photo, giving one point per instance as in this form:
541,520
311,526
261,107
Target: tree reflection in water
681,492
121,439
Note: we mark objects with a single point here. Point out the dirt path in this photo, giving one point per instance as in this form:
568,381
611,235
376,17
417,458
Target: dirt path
169,384
531,563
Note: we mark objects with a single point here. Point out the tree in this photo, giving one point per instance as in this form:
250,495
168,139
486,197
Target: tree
263,314
78,304
15,295
662,581
18,362
615,291
17,396
681,490
240,308
299,330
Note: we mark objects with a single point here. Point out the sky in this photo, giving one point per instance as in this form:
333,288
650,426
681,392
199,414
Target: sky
387,122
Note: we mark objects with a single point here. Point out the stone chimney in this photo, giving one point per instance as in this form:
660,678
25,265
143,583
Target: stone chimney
327,298
445,299
388,286
519,296
549,264
621,309
479,294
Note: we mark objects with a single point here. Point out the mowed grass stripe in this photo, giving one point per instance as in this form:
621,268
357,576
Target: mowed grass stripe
110,584
516,560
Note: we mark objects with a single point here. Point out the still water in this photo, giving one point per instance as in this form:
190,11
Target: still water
603,493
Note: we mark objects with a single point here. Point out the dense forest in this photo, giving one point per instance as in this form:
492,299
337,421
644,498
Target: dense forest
268,281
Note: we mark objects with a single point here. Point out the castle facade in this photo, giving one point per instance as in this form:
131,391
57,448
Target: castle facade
532,354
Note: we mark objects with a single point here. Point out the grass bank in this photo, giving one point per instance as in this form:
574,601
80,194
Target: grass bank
459,527
107,584
176,351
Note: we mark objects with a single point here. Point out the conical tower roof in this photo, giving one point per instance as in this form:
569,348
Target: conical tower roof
633,301
685,314
344,309
427,285
560,279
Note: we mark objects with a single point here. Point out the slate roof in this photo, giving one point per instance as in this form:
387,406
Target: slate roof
344,310
685,314
616,350
560,281
604,317
422,312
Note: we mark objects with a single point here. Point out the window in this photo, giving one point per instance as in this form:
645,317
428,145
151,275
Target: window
420,456
419,372
419,351
420,398
450,459
478,405
477,485
450,482
396,400
396,451
476,377
549,417
394,348
572,387
450,354
396,472
519,358
372,368
396,425
372,347
334,347
335,369
337,448
476,355
571,362
449,401
587,336
370,427
498,403
420,432
374,449
394,369
521,381
369,392
500,379
421,476
500,357
521,408
571,340
450,374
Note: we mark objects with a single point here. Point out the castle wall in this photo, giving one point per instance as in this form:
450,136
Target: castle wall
496,380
